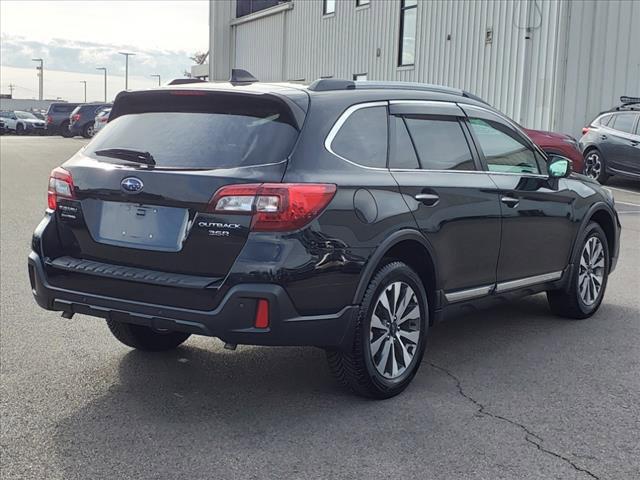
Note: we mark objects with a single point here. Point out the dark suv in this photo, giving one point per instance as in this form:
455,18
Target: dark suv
82,119
611,142
348,217
57,118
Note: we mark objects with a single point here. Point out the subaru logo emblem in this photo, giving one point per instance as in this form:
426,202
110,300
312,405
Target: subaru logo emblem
131,185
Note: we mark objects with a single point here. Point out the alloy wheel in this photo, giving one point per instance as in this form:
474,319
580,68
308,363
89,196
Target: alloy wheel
395,330
591,271
593,165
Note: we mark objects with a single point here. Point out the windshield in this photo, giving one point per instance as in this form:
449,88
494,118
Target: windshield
25,115
200,140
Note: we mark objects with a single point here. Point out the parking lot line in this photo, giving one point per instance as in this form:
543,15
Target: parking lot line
622,190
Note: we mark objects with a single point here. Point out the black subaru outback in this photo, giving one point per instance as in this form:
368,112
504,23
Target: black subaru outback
348,216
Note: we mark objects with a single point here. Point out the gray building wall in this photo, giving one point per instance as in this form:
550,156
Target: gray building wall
552,64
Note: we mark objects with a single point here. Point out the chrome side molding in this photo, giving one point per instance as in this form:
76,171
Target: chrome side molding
477,292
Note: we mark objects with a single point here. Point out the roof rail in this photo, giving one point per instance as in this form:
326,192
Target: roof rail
184,81
327,84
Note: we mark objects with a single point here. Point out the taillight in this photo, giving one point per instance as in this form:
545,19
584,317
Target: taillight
585,130
275,207
49,119
60,185
75,117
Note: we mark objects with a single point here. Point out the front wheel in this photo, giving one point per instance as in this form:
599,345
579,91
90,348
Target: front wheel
588,281
20,130
145,338
390,335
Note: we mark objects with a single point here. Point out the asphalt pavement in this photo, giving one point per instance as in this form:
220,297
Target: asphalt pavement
507,393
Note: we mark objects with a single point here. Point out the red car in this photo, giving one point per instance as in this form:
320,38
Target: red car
558,144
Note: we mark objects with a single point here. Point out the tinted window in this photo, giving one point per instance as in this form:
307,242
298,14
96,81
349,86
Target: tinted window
363,137
623,122
404,155
440,143
502,148
63,108
200,140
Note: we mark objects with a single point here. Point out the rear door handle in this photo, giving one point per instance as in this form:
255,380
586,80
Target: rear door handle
510,201
428,199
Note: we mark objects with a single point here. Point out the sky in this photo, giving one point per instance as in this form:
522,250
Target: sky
75,37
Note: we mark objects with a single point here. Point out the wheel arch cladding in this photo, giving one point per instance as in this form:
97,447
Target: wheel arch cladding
411,248
603,218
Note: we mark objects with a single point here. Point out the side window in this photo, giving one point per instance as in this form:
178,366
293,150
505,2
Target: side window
623,122
440,143
503,150
604,121
363,137
403,154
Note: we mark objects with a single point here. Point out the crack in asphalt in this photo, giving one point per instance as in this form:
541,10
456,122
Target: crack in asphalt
529,437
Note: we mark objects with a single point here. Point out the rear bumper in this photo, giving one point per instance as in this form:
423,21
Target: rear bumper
232,320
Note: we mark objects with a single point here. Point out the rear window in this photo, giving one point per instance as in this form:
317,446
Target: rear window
218,134
62,108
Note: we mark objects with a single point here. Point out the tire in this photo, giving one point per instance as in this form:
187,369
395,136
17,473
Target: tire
87,131
144,338
20,130
358,367
571,302
595,166
64,130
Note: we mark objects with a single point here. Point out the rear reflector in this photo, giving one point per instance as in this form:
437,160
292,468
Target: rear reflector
262,314
60,185
275,207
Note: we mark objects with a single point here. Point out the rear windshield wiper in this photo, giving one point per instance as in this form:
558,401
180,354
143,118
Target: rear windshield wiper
127,154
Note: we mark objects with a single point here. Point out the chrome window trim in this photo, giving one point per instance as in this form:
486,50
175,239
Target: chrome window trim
468,294
527,281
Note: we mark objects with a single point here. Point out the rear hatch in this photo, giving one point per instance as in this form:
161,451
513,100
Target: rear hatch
123,211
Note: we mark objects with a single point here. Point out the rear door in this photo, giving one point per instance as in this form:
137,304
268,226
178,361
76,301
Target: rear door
537,216
159,217
625,143
454,202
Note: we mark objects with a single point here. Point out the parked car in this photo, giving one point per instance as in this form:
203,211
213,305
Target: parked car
58,118
345,216
2,129
558,144
82,119
610,144
22,122
102,117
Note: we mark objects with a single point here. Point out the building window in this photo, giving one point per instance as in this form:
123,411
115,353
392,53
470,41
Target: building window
360,3
360,77
328,7
408,17
247,7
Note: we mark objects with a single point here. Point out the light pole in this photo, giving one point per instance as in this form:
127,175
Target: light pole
40,69
126,68
104,69
156,76
85,90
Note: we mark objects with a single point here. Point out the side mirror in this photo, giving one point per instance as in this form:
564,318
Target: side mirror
559,167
